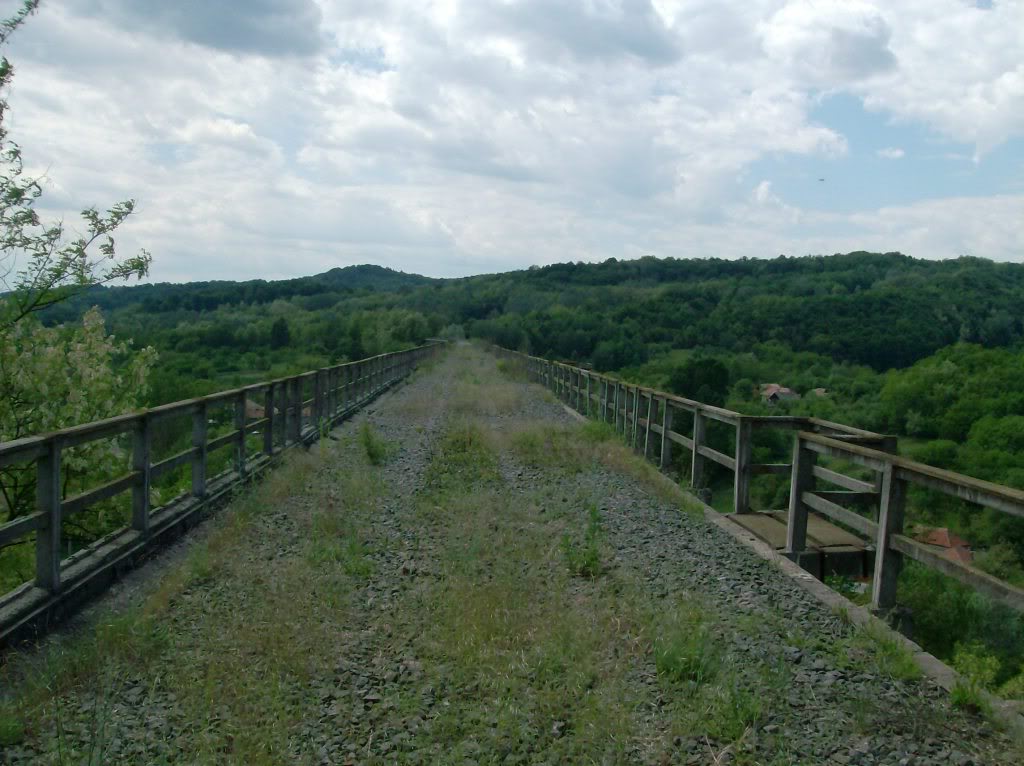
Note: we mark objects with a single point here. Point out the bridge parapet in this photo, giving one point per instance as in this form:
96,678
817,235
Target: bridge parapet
650,422
295,410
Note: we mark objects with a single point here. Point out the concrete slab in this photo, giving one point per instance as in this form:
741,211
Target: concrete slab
830,550
822,534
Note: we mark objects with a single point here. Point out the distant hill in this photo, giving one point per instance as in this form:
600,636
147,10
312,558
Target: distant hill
207,296
369,277
884,310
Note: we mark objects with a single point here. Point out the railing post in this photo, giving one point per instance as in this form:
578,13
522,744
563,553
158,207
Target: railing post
346,386
890,522
141,440
700,427
199,427
48,502
620,408
588,395
268,427
294,394
741,480
801,480
665,458
647,431
635,426
240,422
329,394
579,391
318,399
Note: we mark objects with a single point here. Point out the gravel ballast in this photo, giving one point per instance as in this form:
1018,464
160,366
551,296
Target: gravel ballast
432,614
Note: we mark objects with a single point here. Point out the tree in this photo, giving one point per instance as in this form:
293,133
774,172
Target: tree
38,265
702,378
52,377
280,335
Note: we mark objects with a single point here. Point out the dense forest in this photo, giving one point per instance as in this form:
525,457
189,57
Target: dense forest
929,351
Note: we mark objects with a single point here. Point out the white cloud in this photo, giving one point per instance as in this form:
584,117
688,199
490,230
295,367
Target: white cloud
891,153
455,137
829,43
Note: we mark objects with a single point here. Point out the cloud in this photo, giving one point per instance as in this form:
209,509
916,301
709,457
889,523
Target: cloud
890,153
586,31
830,43
263,27
282,137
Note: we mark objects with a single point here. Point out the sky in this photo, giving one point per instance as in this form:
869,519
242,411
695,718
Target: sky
279,138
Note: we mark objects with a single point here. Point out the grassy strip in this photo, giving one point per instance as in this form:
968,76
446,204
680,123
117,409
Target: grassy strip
533,661
229,639
578,448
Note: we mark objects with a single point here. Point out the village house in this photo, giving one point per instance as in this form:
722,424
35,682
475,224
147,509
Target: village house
773,393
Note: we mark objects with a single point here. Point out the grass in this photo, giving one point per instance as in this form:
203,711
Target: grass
583,559
525,655
530,664
248,669
577,448
686,647
377,450
513,369
977,671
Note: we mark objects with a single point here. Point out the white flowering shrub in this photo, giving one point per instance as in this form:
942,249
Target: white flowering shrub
54,377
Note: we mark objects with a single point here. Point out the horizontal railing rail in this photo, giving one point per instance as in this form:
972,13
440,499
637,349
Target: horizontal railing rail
286,417
894,475
638,413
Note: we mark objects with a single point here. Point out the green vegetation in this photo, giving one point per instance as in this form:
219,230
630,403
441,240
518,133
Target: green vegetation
686,647
583,558
929,351
377,449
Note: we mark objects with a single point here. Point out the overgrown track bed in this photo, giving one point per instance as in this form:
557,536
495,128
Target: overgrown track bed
469,576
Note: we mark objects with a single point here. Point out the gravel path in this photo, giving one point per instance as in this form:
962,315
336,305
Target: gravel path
424,610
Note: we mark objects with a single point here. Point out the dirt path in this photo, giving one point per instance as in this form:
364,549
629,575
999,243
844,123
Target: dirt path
468,576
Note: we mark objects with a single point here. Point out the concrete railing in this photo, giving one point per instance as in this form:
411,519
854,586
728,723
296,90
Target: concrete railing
650,422
294,410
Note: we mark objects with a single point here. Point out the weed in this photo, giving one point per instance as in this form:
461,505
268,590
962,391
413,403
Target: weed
464,457
377,450
597,432
967,695
685,648
848,588
584,559
337,541
735,710
894,658
12,727
513,369
200,566
978,670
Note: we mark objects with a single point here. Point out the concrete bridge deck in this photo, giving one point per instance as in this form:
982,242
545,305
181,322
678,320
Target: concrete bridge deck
465,575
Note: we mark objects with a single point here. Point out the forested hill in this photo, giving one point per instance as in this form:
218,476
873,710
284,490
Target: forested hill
880,310
883,311
206,296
